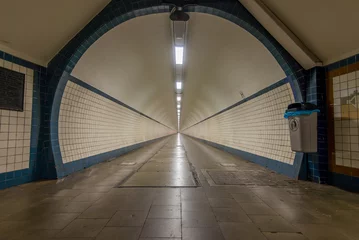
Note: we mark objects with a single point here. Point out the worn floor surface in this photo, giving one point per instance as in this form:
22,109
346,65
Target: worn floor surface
177,188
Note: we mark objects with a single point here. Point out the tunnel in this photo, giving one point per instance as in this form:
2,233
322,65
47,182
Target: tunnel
179,119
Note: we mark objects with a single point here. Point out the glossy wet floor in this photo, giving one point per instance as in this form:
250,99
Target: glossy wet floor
168,167
90,205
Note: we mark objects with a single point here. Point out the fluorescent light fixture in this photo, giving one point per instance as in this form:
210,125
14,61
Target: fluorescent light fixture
178,106
178,98
179,55
179,85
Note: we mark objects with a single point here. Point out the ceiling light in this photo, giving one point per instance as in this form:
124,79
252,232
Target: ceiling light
178,98
178,106
179,85
179,55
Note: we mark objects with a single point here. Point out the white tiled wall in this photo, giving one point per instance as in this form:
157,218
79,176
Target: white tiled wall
256,126
346,124
15,127
90,124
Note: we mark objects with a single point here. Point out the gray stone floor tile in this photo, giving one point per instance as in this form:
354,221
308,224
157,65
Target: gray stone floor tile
128,218
51,221
196,206
299,215
267,223
246,198
160,239
242,231
119,233
99,211
213,233
88,197
162,228
167,201
284,236
321,232
223,203
165,212
40,234
82,228
217,193
198,219
230,215
257,208
68,193
73,207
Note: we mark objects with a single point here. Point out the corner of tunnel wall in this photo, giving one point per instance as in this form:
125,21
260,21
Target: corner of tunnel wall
20,130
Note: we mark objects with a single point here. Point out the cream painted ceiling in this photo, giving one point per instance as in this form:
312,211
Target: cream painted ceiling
326,27
223,60
37,29
134,64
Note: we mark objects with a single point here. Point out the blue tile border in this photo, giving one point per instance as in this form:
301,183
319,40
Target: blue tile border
342,63
18,177
292,171
346,182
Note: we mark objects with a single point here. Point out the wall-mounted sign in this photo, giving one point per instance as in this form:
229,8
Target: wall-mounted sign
11,90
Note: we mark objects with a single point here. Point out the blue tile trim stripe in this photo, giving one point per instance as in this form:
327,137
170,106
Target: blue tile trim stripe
18,177
346,182
292,171
257,94
343,63
105,95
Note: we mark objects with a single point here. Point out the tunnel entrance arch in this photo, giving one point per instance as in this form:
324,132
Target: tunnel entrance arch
114,14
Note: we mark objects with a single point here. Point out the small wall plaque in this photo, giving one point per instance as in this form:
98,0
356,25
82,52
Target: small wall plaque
11,90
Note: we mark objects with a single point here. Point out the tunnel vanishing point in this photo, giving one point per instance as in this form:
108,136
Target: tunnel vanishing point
179,119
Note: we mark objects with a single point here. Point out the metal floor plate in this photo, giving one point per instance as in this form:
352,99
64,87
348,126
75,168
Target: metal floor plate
244,177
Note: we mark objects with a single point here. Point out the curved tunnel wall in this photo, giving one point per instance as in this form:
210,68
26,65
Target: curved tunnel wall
254,129
91,124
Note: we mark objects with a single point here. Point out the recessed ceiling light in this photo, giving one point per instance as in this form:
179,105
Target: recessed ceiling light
179,85
178,98
179,55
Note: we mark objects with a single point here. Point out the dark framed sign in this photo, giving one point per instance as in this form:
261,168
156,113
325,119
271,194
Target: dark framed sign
12,86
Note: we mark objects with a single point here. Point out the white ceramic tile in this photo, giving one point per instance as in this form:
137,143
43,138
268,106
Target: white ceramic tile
90,124
13,127
257,126
346,130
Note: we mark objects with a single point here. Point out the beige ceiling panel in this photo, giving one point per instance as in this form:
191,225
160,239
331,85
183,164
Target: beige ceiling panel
327,27
37,29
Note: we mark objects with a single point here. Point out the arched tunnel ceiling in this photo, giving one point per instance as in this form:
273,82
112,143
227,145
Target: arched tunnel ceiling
134,63
223,60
